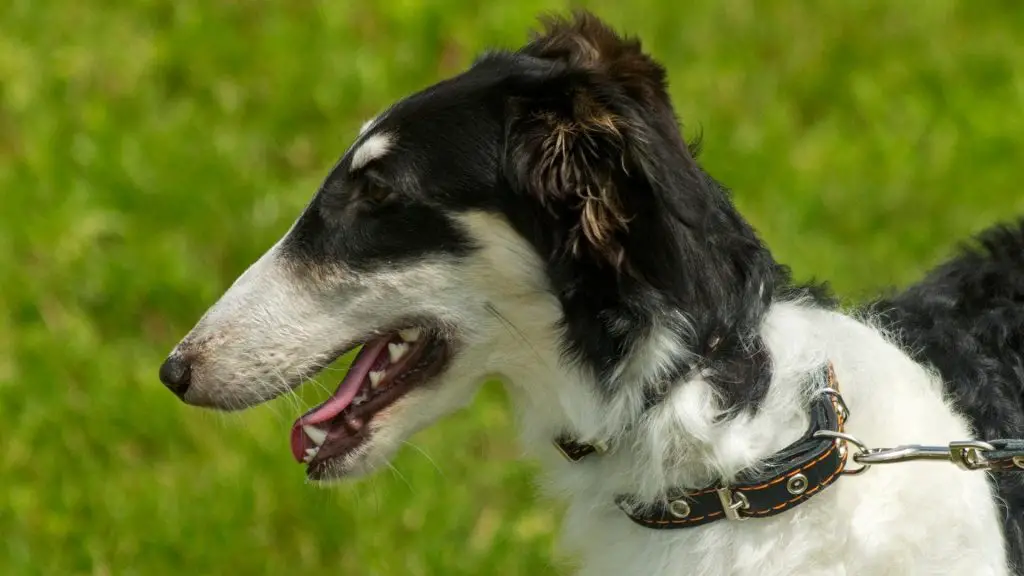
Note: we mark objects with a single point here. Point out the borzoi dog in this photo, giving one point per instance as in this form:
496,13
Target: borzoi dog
540,220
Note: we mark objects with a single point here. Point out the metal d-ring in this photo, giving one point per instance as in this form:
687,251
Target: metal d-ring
843,440
844,411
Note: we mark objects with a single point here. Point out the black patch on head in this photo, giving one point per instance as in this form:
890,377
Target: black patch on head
573,140
338,227
444,146
966,318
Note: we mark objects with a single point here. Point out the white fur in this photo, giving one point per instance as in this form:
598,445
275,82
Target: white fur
264,312
909,519
371,148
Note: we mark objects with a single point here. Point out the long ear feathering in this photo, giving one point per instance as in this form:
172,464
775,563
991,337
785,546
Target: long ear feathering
571,163
575,144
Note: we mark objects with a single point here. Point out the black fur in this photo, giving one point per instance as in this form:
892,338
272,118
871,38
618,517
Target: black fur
608,204
722,278
966,318
574,141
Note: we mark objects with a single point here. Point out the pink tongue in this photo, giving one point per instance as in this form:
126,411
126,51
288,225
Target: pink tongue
342,397
349,386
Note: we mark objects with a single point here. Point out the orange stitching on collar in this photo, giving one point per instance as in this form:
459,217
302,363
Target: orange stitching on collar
825,483
831,383
771,483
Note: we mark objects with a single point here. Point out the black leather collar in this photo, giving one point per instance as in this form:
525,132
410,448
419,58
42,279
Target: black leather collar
788,478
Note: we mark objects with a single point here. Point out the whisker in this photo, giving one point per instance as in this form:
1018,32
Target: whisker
287,391
400,476
512,329
427,456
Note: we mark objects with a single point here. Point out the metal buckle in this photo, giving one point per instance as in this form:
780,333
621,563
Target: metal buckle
732,503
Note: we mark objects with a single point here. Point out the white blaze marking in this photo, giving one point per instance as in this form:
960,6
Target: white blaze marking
370,149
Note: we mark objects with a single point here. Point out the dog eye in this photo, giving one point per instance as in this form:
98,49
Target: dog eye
375,193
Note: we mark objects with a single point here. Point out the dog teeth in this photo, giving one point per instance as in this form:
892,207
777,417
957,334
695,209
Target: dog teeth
410,334
355,424
362,397
315,434
375,378
311,453
396,350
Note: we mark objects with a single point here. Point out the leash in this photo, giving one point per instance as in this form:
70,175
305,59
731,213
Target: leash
994,456
801,470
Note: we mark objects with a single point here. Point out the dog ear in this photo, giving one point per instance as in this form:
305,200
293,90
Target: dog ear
569,159
584,42
576,136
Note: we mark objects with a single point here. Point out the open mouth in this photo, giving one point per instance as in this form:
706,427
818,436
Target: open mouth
386,369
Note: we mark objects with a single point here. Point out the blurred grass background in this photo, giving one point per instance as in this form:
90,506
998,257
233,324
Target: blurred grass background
150,149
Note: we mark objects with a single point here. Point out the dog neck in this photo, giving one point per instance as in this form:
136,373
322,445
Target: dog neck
693,434
687,439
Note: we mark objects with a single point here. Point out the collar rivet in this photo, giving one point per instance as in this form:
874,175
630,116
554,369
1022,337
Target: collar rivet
679,508
797,484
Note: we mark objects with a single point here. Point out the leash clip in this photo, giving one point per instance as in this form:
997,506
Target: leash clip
967,454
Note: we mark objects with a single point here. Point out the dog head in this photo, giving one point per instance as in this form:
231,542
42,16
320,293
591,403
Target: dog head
539,211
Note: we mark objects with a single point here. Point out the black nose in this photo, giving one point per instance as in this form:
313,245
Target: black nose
176,374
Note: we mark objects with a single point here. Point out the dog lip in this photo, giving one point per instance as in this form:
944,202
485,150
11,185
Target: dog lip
400,360
347,391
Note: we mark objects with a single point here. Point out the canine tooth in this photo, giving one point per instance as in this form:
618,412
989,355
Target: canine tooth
362,397
396,350
410,334
375,378
311,453
315,434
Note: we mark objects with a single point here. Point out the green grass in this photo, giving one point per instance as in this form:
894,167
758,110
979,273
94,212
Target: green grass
149,150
